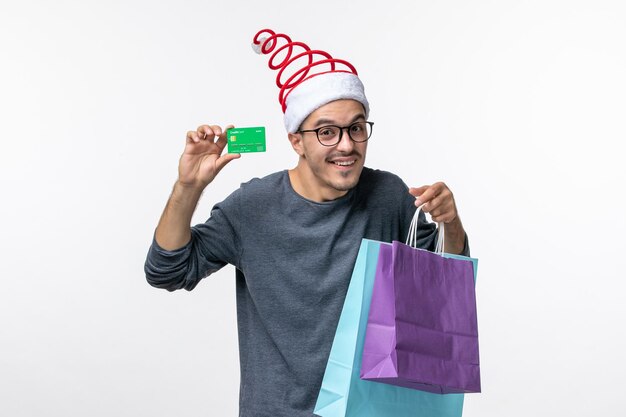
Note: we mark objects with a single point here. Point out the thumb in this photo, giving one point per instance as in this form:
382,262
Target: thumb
418,191
225,131
225,159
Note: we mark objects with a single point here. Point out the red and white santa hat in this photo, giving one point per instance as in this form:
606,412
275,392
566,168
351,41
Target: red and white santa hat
308,79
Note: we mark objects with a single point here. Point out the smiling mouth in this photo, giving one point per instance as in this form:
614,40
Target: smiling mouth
343,163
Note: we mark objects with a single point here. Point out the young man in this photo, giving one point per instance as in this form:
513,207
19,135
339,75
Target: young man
293,236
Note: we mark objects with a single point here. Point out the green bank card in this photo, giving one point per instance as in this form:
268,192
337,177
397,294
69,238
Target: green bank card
246,139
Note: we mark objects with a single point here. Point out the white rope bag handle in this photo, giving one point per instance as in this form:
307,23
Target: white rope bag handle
411,239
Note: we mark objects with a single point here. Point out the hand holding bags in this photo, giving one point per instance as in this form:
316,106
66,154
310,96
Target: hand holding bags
422,327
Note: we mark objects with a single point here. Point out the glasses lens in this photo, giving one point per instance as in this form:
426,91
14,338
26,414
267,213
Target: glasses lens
328,135
360,131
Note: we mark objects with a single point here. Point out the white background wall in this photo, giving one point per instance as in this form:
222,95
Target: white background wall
518,105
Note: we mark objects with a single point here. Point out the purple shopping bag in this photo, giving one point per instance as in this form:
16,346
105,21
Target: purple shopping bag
422,328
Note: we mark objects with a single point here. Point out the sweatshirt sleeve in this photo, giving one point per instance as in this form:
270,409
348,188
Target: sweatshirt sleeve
213,244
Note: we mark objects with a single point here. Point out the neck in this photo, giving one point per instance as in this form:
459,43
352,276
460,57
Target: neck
304,182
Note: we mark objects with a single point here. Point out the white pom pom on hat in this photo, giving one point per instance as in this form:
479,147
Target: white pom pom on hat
313,82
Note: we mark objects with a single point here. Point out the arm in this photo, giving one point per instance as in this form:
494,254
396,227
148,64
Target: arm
176,259
437,199
201,161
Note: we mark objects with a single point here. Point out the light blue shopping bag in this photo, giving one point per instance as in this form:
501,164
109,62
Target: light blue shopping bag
343,393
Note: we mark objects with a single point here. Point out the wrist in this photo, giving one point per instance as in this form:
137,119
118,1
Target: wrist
173,231
187,190
454,229
455,236
185,196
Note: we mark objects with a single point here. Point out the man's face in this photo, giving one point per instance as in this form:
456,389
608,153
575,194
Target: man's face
328,172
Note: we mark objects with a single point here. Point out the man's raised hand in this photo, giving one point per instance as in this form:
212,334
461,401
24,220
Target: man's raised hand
202,159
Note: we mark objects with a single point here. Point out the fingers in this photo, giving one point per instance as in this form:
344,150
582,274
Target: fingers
224,159
416,192
221,136
437,200
207,133
442,209
193,137
426,193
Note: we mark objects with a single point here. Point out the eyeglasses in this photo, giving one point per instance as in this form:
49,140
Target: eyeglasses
331,135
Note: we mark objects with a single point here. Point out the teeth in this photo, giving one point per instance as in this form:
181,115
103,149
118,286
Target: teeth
344,164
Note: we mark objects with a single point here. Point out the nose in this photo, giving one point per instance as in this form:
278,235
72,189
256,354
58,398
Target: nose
345,143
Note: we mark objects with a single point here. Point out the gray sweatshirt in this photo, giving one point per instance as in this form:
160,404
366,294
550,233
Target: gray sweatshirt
293,259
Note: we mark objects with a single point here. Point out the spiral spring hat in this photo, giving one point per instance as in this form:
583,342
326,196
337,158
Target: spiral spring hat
315,77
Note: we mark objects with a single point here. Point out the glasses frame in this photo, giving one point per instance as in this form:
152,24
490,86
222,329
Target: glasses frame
341,129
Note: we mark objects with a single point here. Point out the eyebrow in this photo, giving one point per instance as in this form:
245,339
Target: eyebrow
324,122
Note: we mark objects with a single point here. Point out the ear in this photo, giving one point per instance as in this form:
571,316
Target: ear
296,143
